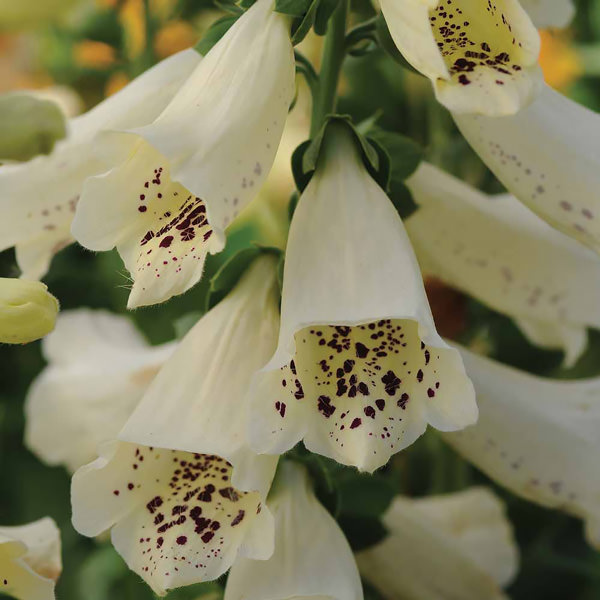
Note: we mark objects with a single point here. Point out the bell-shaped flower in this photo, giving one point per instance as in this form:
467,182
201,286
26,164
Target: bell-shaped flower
27,311
538,437
311,559
186,176
549,13
30,560
38,198
548,156
451,546
481,57
82,399
496,250
359,369
183,494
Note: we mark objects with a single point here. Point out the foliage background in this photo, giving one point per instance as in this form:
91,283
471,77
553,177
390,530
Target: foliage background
96,51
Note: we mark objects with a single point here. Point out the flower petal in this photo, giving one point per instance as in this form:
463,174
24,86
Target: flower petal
82,399
480,57
537,437
549,13
547,156
38,198
464,538
494,249
206,411
359,370
312,559
175,518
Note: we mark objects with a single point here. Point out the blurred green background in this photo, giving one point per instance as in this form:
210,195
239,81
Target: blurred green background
93,51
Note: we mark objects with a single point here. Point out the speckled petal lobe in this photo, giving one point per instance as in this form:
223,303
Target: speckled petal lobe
549,13
30,560
548,156
38,198
537,437
463,538
174,516
481,57
207,378
359,369
82,399
312,558
496,250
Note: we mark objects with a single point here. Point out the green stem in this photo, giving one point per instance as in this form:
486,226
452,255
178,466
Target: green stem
334,52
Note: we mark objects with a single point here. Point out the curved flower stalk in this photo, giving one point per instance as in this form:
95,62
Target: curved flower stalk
464,538
185,177
481,57
547,156
82,399
549,13
359,370
499,252
207,378
30,561
38,198
27,311
537,437
181,491
311,559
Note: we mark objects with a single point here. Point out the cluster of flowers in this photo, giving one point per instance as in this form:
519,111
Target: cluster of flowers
189,434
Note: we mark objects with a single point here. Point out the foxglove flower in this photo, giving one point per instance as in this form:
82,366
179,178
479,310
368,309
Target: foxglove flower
548,157
182,493
463,538
537,437
311,559
30,561
359,370
549,13
186,176
82,399
499,252
38,198
27,311
481,57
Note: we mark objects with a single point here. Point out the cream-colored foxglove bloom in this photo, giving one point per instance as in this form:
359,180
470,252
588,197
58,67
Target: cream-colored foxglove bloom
183,495
186,176
359,369
312,558
548,156
498,251
538,437
38,198
443,548
481,57
30,560
549,13
27,311
83,398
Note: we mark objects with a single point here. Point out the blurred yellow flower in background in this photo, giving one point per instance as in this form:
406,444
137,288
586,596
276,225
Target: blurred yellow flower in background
174,37
559,60
94,55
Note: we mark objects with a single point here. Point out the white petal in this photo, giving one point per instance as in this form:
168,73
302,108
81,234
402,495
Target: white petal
481,58
549,13
38,198
359,370
175,518
82,399
538,437
30,560
547,156
207,378
206,155
312,559
496,250
464,539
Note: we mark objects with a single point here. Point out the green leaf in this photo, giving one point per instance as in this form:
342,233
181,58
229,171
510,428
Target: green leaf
294,8
402,199
405,154
216,31
301,26
362,532
28,126
364,495
324,11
